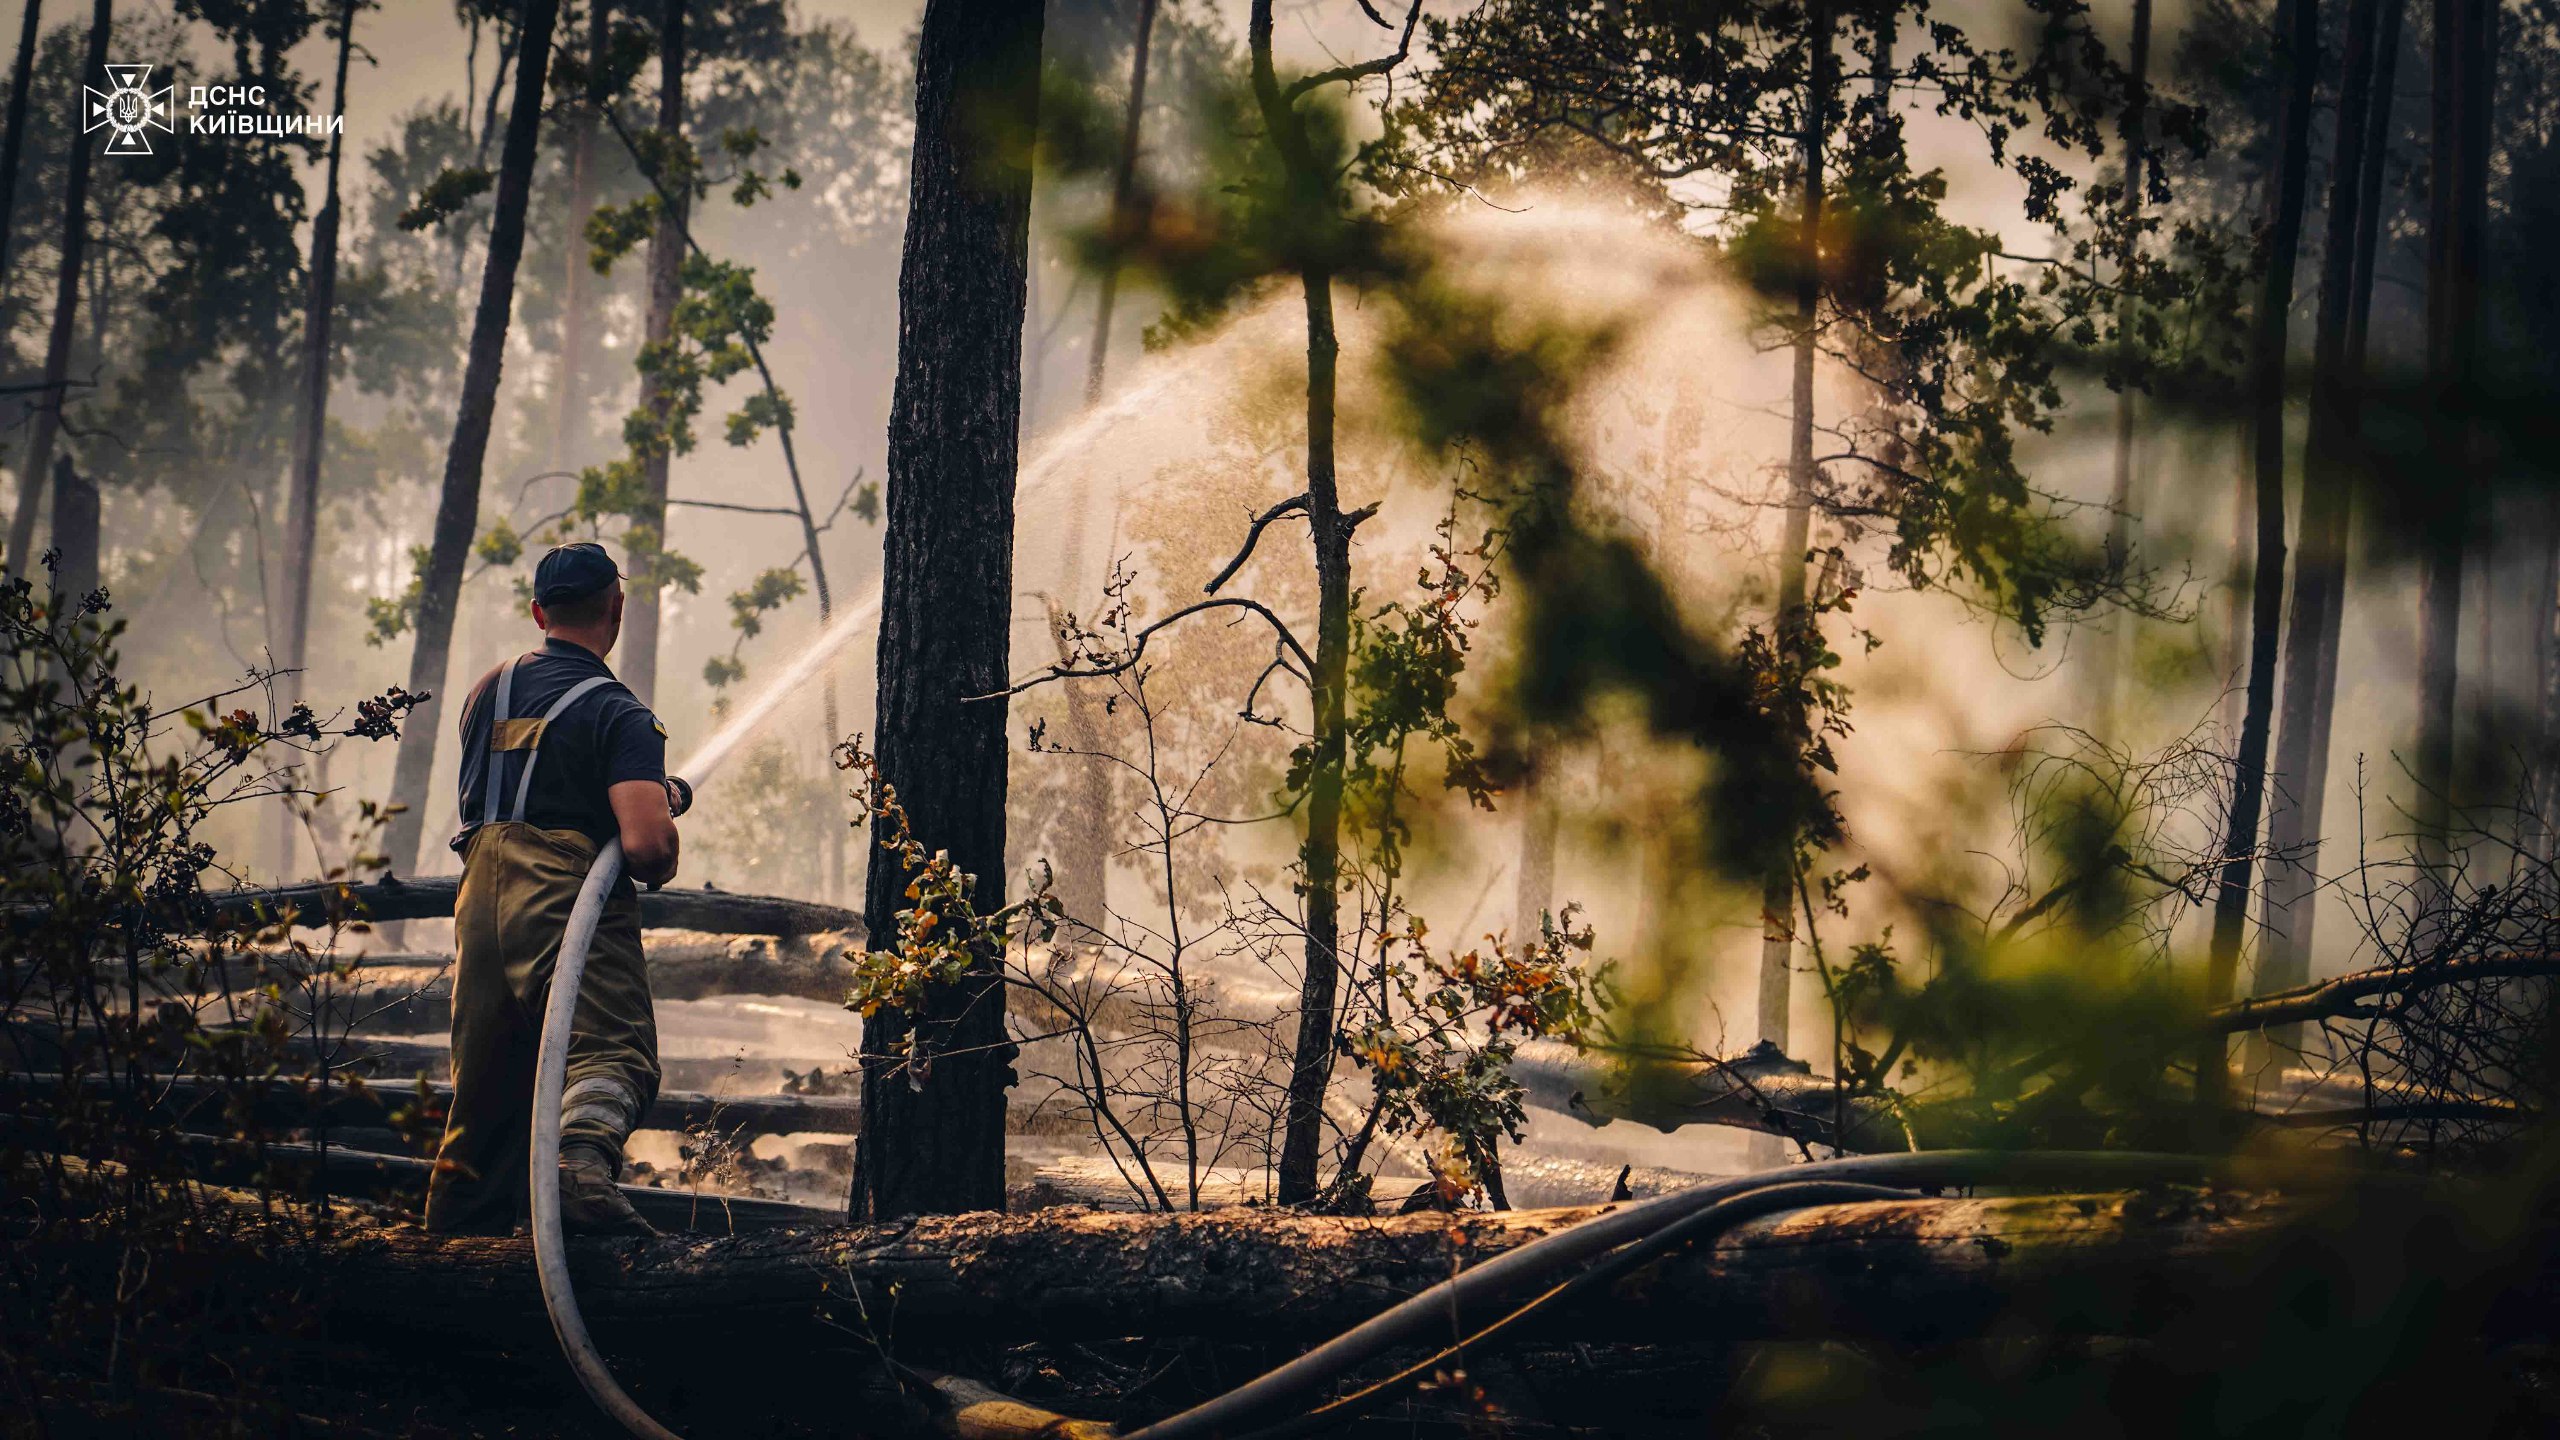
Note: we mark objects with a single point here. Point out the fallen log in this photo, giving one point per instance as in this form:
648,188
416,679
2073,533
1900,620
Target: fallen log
1768,1091
683,965
319,903
196,1102
1763,1090
1919,1271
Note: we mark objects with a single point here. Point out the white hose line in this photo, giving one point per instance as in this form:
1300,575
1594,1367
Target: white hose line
551,1073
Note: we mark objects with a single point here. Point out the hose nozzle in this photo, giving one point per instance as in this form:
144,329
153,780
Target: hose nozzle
679,795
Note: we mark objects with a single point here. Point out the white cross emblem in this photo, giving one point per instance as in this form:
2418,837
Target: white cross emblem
126,110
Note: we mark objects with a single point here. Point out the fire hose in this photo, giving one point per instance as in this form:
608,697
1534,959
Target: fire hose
1587,1256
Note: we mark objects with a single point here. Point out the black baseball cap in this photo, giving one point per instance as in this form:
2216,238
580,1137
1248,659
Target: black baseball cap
571,572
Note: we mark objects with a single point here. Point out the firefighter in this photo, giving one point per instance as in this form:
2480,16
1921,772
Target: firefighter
559,758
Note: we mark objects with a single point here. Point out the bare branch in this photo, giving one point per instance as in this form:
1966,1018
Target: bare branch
1366,69
2341,996
1295,504
1064,671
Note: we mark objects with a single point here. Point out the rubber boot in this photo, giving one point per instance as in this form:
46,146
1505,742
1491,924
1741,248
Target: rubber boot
590,1202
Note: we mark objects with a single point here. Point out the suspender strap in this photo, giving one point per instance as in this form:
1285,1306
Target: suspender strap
524,786
496,770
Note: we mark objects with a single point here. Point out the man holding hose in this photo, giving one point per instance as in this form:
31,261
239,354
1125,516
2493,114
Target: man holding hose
559,758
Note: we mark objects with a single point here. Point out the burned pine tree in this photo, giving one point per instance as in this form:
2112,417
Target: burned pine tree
933,1084
2298,49
2459,157
292,621
13,136
577,325
2331,470
458,501
646,538
46,430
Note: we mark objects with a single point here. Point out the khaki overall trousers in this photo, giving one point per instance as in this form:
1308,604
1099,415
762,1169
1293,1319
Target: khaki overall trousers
519,884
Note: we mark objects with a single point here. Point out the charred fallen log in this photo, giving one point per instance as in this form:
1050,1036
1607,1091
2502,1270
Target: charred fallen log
1917,1271
201,1103
327,902
1767,1090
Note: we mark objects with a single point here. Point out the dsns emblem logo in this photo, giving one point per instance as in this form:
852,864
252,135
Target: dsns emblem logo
126,110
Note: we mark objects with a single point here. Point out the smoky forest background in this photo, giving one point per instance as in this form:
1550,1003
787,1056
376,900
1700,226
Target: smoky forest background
1324,645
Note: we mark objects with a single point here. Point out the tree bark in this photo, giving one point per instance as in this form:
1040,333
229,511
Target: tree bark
933,1135
2119,551
1533,893
310,435
47,427
1914,1271
1124,186
647,536
1793,619
75,530
2457,214
2298,46
1310,184
2330,475
715,911
569,415
13,135
458,504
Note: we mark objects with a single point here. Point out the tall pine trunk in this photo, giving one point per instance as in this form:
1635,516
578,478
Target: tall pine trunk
2457,203
75,529
1793,619
458,504
2298,47
47,428
2111,657
2331,474
1310,184
648,532
13,136
310,434
569,398
932,1136
1124,186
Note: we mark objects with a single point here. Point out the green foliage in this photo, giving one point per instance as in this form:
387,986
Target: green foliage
941,934
1440,1058
445,195
387,618
768,592
499,544
124,979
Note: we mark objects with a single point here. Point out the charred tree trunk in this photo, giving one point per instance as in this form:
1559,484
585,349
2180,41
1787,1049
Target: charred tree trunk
13,137
310,434
47,427
569,416
2298,784
1534,883
1124,186
1793,619
458,505
646,539
75,530
2119,552
1311,187
2298,46
2457,203
933,1140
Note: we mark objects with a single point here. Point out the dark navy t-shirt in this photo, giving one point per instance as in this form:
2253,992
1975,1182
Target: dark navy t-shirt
605,737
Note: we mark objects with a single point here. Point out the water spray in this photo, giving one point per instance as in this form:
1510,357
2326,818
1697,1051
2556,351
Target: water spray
550,1252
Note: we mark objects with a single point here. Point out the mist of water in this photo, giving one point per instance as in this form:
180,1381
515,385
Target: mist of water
863,617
